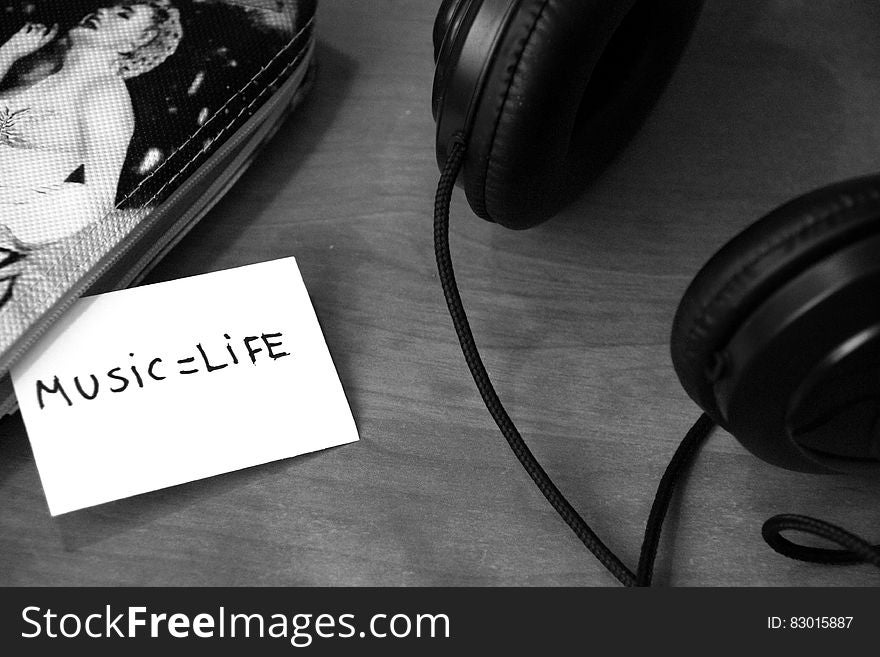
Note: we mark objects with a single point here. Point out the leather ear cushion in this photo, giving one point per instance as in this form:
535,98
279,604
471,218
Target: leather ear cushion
755,264
568,85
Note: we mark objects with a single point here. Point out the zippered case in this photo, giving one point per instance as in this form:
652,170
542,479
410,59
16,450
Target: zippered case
120,126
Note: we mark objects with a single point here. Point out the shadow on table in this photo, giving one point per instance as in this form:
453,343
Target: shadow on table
80,529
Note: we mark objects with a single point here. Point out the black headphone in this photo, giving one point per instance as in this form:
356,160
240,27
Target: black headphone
777,338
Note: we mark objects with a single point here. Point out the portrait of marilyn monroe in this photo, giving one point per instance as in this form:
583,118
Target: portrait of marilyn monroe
64,135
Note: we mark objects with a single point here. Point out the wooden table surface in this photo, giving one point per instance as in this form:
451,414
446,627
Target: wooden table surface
773,98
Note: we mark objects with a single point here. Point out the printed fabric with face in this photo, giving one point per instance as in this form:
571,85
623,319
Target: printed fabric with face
139,36
121,28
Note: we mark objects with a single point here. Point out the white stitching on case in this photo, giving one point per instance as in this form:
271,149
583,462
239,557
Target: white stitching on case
253,5
210,141
217,113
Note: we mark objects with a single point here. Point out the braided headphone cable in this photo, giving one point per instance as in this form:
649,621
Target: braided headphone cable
855,548
582,530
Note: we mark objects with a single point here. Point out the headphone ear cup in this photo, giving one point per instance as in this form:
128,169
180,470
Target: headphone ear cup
569,84
754,265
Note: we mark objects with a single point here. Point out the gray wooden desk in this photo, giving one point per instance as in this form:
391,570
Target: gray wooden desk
573,318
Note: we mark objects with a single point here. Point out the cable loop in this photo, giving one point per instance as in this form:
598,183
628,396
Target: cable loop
855,548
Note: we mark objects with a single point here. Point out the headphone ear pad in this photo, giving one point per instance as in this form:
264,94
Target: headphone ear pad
568,85
757,263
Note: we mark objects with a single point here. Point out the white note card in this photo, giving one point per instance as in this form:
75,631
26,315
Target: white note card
141,389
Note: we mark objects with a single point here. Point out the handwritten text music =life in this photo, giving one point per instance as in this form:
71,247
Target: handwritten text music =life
266,347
